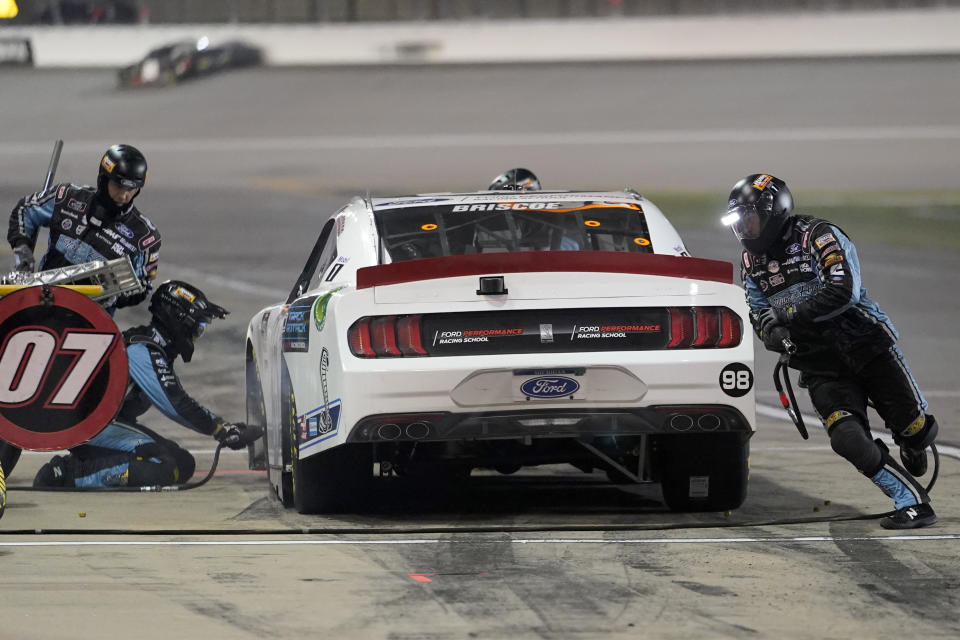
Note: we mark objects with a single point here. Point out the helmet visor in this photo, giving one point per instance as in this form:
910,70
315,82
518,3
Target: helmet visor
747,223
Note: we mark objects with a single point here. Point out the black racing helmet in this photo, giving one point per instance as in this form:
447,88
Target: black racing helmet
757,210
518,179
124,165
182,311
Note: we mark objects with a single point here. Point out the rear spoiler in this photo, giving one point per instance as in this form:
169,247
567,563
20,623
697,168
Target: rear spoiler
543,261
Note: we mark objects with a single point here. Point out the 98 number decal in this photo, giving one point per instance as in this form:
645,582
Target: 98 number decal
28,354
736,379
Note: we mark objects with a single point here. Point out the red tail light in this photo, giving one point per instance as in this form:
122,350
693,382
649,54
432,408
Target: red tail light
383,336
408,336
730,330
703,327
681,327
359,338
386,336
708,326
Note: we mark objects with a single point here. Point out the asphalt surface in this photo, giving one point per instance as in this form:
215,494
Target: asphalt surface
245,168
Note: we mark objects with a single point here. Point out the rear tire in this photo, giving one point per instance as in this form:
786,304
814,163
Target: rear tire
326,482
256,414
336,480
703,472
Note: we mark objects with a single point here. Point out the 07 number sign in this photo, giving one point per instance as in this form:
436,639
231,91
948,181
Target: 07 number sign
26,358
63,368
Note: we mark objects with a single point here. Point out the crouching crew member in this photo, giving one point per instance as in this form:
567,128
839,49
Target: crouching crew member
126,453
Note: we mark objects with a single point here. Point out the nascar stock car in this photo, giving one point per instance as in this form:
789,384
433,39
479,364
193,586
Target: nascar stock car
182,60
432,335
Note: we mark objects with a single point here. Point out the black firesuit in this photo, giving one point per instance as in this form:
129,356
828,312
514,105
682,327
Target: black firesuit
846,346
82,228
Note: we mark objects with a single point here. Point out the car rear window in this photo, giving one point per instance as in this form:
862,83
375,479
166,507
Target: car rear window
490,227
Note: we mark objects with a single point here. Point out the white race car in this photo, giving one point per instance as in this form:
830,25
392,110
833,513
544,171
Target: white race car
432,335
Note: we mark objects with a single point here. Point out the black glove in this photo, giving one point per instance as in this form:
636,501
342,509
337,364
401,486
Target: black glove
237,436
23,258
774,337
772,316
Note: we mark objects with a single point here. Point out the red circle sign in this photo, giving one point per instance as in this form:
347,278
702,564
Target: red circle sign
63,368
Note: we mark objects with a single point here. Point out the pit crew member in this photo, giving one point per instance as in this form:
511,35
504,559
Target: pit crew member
803,284
126,453
88,223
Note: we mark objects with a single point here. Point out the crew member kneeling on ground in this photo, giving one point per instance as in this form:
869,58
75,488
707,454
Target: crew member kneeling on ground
802,281
126,453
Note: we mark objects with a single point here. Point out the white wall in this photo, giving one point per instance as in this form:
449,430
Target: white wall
916,32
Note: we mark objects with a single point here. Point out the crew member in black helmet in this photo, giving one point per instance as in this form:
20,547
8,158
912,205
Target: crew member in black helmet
518,179
127,453
803,284
88,223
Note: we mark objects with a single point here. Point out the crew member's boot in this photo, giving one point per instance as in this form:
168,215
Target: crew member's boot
911,501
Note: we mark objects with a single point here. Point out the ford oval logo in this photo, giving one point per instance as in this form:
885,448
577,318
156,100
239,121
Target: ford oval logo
549,387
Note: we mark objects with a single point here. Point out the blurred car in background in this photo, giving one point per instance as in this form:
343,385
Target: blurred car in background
187,59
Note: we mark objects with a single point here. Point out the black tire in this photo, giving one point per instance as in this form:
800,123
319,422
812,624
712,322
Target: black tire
288,417
9,455
328,482
703,472
333,481
256,414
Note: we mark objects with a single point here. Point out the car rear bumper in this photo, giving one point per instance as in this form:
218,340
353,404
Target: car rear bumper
549,423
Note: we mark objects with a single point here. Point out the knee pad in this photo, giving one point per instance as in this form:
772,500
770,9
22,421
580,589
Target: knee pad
850,440
920,433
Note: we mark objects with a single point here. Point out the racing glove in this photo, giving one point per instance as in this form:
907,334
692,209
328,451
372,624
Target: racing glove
776,338
23,258
237,436
772,316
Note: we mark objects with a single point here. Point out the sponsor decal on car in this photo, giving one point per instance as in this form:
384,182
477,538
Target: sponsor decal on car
320,308
397,203
546,333
319,424
506,206
264,320
296,326
549,387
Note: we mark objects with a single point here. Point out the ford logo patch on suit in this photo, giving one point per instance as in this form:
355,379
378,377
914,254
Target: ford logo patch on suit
549,387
